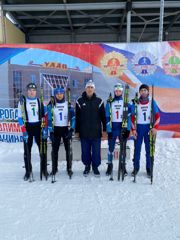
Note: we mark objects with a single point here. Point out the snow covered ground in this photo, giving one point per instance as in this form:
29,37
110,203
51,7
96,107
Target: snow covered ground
90,208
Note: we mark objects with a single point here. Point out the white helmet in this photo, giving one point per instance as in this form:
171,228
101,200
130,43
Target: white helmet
118,86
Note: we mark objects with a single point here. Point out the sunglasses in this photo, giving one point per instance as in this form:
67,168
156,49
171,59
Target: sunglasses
32,86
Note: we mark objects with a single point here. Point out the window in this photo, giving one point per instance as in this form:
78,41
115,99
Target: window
75,83
17,86
86,80
52,81
33,78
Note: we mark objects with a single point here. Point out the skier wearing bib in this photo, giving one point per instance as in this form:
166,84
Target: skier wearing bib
141,132
30,114
114,116
58,127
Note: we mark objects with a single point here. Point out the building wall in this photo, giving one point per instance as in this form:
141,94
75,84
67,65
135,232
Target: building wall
4,85
13,34
9,33
1,27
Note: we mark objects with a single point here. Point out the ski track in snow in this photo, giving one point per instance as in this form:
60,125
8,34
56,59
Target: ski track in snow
89,207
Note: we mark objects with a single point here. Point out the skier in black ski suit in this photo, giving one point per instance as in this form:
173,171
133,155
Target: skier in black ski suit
30,114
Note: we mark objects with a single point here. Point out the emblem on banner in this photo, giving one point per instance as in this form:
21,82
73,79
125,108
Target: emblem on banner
113,64
171,63
144,63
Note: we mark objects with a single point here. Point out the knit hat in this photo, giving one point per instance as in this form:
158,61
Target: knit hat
59,90
144,86
90,83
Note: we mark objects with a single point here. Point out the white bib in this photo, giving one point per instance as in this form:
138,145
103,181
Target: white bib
117,111
32,110
144,113
61,114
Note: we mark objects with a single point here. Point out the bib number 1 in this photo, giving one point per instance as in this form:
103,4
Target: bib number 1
33,109
144,114
60,115
117,115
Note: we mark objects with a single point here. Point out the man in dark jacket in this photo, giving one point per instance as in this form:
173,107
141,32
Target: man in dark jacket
90,126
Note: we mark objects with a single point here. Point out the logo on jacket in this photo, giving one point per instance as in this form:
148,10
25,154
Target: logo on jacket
144,63
113,64
171,63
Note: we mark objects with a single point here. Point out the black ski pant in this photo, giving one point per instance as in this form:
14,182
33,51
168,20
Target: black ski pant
34,131
60,133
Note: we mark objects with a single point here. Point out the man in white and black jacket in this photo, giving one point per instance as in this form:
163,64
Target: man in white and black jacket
90,127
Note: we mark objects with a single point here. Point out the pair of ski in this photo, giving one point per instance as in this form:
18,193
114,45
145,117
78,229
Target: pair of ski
70,151
43,143
152,139
43,158
123,141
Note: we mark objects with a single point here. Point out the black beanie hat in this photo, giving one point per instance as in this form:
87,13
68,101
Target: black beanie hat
144,86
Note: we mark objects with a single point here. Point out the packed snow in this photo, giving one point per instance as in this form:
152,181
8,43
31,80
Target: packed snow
88,207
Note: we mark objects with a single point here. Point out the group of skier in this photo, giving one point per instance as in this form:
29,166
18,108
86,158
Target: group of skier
90,122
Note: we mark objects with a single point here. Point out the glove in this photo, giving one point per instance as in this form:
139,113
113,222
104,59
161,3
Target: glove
44,133
108,127
50,129
69,134
52,136
25,137
125,133
110,135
